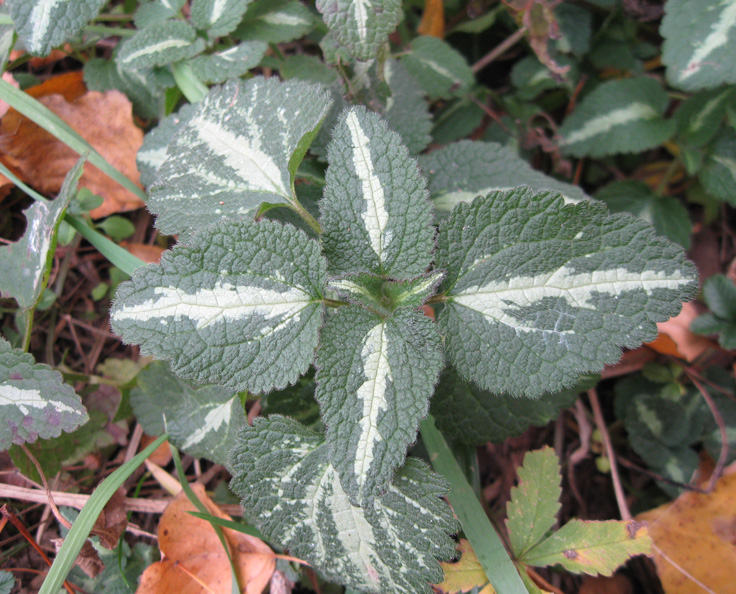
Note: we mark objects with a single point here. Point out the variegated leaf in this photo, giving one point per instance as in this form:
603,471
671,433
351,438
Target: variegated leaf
156,11
376,215
383,296
406,110
44,24
719,170
373,392
158,45
34,400
240,306
440,70
25,263
241,148
699,117
461,171
361,26
289,488
620,116
230,63
700,42
275,21
539,292
218,17
202,421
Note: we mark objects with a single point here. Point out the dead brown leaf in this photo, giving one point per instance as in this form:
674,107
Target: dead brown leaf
194,561
433,19
695,540
105,120
113,520
617,584
680,342
148,253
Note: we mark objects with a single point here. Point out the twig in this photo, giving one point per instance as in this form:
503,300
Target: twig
723,457
595,404
50,501
498,50
541,582
681,569
135,441
658,477
585,432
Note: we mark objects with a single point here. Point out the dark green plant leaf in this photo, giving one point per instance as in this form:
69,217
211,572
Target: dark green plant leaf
156,11
406,111
297,402
539,292
699,117
376,215
576,29
218,17
202,421
275,21
699,43
720,295
34,400
159,44
230,63
440,69
240,306
289,488
719,170
535,501
309,68
374,380
620,116
461,171
241,147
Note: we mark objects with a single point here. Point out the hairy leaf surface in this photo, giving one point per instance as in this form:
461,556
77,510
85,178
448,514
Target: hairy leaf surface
241,148
461,171
202,421
240,307
218,17
289,487
159,44
700,42
34,400
440,70
406,111
275,21
230,63
719,171
361,26
540,292
374,380
376,215
44,24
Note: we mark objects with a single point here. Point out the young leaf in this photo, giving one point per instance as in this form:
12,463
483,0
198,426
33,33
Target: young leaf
241,148
591,547
719,171
540,292
25,268
361,26
287,485
620,116
381,296
159,44
218,17
440,69
34,400
376,215
240,306
44,24
201,421
461,171
475,416
374,380
406,111
275,21
535,501
229,63
700,41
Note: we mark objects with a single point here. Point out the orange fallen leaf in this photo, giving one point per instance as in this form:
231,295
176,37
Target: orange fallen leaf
69,85
161,455
194,561
695,540
40,61
433,19
148,253
105,120
465,574
686,345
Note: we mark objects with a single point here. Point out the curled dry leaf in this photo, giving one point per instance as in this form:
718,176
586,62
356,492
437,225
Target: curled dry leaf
695,540
676,339
433,19
194,561
105,120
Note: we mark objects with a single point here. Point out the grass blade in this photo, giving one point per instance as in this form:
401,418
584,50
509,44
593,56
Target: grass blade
483,537
87,517
190,86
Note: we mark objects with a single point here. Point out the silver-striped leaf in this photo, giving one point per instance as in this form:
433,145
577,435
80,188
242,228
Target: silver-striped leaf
699,43
718,175
539,292
27,262
383,296
218,17
440,69
230,63
406,111
374,380
201,421
619,116
156,11
44,24
241,148
159,44
291,491
239,307
361,26
376,216
34,400
275,21
463,170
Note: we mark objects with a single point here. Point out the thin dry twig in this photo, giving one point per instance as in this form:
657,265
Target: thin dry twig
498,50
50,501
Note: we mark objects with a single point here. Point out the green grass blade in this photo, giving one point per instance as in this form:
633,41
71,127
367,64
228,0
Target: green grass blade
57,127
190,86
118,256
86,520
237,526
483,537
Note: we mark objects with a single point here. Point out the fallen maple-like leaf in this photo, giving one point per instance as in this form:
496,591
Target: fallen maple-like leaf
105,120
193,559
695,540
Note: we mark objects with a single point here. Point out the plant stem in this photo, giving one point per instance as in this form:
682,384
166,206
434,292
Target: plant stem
192,88
305,215
110,31
498,50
